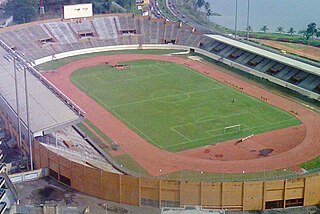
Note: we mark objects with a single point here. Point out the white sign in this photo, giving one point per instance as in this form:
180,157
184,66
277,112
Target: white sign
77,11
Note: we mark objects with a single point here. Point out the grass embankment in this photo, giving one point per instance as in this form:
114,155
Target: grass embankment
282,38
166,11
58,63
200,17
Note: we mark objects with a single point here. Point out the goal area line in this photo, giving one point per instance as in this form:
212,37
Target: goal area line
237,126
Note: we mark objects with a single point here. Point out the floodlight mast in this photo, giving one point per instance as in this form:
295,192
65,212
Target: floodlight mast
236,21
28,115
248,19
24,63
17,103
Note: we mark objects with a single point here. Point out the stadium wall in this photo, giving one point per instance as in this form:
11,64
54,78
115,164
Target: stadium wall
127,189
253,195
285,84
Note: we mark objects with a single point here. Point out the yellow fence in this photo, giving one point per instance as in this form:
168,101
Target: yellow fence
255,195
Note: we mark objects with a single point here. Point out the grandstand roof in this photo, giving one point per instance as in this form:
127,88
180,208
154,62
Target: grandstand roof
47,112
276,57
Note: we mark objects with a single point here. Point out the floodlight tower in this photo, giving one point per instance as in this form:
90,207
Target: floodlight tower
42,7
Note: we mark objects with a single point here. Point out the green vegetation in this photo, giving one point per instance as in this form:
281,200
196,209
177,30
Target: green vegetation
280,29
291,31
176,108
190,8
275,88
264,29
22,10
58,63
166,11
124,161
312,164
94,137
28,10
106,138
131,165
187,175
307,36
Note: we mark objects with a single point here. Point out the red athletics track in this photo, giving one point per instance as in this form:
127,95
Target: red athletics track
289,154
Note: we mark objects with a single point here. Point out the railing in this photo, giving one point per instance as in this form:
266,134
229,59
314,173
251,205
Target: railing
108,158
28,65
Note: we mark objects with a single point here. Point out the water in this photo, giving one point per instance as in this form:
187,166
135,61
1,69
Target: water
273,13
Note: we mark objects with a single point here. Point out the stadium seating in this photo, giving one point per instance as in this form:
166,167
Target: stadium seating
61,32
37,40
105,27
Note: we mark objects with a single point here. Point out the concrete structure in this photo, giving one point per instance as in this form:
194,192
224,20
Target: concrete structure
48,39
45,41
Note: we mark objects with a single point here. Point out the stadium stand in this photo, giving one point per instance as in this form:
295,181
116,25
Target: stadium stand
52,110
53,37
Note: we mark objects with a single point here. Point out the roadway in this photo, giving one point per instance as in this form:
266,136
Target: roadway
174,9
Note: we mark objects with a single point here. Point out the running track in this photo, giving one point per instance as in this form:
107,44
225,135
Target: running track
158,162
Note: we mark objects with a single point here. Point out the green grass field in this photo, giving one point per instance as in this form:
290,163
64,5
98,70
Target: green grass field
176,108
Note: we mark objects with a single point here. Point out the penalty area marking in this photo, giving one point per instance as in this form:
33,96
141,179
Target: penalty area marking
119,116
180,134
213,136
152,99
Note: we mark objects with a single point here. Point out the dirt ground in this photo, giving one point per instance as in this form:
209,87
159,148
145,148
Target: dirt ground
298,49
290,154
47,191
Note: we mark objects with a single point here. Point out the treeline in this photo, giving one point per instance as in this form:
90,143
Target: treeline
29,10
310,32
199,4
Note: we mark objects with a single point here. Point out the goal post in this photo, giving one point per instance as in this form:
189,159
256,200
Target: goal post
233,127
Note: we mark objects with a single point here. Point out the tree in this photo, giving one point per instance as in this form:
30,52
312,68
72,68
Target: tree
207,6
208,9
200,3
291,31
264,29
101,7
280,29
249,29
22,10
318,33
209,13
301,32
311,30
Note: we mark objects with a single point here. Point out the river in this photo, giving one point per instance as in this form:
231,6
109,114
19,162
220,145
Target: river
272,13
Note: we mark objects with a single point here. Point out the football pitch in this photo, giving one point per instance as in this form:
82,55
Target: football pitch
176,108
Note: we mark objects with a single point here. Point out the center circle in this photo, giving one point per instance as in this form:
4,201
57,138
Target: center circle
170,96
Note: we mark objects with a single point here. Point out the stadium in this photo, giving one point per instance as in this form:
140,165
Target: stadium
170,100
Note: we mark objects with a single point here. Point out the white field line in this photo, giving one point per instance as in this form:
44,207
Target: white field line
213,136
174,95
119,116
98,79
209,78
260,118
221,129
210,119
133,78
180,134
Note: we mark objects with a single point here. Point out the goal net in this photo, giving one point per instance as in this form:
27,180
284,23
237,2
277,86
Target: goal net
231,129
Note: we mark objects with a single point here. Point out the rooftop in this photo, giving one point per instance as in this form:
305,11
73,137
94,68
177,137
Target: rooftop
276,57
47,112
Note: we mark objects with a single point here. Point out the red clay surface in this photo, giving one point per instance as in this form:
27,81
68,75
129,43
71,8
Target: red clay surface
292,146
